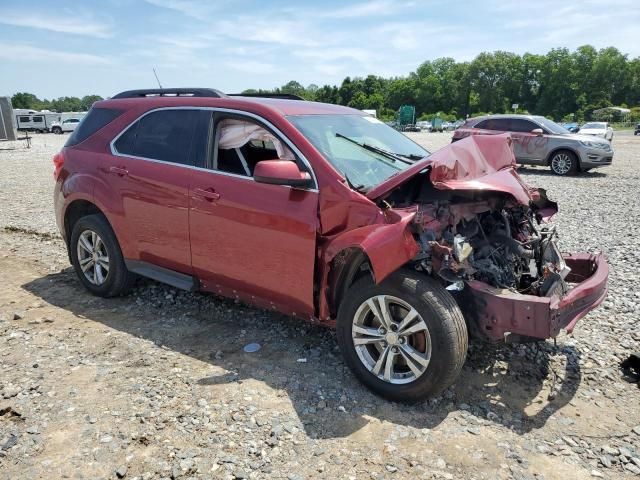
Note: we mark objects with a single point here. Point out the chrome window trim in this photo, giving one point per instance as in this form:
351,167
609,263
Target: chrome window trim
277,131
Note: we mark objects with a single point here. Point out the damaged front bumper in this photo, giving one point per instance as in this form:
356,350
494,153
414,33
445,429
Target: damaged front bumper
502,315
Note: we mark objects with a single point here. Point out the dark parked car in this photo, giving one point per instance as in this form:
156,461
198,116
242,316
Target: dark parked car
324,213
637,130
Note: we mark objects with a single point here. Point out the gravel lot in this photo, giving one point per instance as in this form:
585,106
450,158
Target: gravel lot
156,384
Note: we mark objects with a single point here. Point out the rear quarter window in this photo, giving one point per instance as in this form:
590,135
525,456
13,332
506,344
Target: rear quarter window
91,123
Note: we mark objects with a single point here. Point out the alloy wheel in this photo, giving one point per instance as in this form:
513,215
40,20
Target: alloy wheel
561,163
92,257
391,339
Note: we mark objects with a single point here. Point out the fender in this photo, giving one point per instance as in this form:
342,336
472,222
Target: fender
388,246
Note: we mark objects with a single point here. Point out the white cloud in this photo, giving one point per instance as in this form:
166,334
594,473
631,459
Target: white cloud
29,53
67,23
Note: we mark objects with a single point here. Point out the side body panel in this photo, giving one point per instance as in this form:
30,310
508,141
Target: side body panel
254,241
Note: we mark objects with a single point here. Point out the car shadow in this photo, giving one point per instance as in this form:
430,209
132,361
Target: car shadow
512,385
531,170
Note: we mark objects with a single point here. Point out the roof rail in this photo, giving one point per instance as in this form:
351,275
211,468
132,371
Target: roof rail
283,96
170,92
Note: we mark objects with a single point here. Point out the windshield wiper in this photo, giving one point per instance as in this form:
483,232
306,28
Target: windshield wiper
358,188
390,155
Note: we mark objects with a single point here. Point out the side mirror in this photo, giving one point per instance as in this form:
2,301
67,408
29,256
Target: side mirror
281,172
537,131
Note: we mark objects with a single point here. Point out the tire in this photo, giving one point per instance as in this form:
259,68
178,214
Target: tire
56,130
444,342
118,280
563,162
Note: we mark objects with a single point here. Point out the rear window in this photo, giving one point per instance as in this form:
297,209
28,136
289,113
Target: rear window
162,135
91,123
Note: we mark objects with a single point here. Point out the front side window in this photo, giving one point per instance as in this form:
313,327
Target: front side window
521,125
363,149
241,144
164,135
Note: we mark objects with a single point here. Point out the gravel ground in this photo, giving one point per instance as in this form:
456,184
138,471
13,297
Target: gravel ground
156,384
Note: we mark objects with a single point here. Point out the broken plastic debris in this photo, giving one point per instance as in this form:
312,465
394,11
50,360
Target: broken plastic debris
252,347
302,360
456,286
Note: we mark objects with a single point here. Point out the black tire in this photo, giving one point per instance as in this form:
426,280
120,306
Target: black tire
567,156
57,130
446,328
118,279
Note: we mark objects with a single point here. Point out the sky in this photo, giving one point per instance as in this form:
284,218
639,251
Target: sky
71,48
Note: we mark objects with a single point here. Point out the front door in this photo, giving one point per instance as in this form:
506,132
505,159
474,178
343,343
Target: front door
249,240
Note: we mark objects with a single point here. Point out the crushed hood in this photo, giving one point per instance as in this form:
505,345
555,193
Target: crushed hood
477,162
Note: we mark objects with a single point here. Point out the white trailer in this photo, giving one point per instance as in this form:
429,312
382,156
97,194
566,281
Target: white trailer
36,122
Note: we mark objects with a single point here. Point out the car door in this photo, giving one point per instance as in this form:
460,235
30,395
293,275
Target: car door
528,147
250,240
150,170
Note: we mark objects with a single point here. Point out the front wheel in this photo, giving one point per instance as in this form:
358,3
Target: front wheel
57,130
405,339
563,162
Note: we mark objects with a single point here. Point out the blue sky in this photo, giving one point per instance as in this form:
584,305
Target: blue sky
62,47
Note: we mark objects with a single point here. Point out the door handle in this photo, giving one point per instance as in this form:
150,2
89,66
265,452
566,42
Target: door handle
120,171
208,194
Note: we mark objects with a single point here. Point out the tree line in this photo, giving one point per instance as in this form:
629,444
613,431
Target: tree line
62,104
561,84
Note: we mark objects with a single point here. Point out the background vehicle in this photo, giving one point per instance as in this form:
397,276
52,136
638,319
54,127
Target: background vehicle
68,125
437,124
321,212
406,116
540,141
598,129
637,130
572,127
36,122
424,125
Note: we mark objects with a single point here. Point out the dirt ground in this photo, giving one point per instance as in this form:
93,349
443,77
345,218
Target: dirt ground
157,385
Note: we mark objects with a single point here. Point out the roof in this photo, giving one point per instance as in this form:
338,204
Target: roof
282,106
506,115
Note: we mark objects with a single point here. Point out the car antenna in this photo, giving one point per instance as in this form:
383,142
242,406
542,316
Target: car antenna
157,79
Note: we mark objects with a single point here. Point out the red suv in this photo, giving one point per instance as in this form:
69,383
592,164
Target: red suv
324,213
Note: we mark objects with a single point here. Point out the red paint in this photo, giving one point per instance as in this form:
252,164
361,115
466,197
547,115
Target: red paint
498,312
273,245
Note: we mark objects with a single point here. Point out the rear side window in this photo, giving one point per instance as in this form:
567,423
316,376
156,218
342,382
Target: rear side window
163,135
500,124
37,119
91,123
25,119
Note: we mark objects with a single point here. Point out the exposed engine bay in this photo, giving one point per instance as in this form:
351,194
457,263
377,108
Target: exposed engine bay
490,238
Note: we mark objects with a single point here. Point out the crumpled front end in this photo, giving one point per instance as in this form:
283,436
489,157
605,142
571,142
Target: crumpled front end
484,233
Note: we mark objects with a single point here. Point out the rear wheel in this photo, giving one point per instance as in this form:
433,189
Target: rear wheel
564,162
405,338
97,258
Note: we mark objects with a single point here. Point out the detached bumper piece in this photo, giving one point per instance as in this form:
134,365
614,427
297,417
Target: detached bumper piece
502,315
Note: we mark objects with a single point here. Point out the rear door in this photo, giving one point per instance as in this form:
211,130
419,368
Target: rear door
150,170
251,240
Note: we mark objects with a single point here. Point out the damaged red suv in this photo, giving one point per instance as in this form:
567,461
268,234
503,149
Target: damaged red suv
324,213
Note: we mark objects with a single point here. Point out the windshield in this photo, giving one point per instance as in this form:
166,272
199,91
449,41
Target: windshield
362,148
552,126
593,125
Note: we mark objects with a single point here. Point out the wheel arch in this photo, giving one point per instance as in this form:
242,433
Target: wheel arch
75,211
562,148
347,267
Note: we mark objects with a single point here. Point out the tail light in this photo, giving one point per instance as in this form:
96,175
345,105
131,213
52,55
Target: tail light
58,162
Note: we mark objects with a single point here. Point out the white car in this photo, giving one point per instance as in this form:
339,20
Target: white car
599,129
68,125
